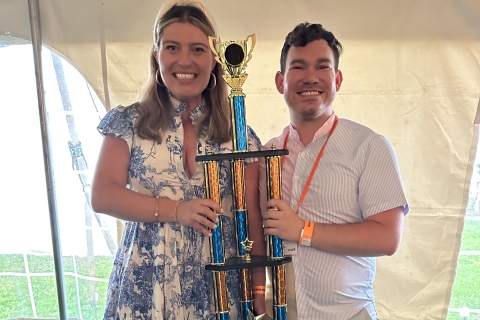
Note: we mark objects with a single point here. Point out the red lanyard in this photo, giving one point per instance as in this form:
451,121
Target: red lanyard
315,165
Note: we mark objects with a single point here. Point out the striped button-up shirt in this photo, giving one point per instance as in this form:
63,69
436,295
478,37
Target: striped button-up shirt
358,176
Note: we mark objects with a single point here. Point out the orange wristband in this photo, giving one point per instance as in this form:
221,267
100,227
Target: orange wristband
258,290
307,233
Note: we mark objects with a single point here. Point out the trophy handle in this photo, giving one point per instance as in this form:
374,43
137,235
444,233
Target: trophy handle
254,40
212,42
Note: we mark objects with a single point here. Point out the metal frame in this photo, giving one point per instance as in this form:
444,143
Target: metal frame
35,29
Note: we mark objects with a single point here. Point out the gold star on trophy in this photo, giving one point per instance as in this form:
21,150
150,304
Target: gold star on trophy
247,245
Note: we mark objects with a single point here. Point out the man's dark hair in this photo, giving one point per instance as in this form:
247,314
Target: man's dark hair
303,34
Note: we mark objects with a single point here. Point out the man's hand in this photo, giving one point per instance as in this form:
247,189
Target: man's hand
283,222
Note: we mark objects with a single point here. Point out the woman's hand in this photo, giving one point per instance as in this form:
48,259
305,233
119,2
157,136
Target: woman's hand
199,214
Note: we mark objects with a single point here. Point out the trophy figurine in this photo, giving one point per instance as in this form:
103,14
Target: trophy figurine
233,57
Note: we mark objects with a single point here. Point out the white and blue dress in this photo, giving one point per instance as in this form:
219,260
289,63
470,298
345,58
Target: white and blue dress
159,270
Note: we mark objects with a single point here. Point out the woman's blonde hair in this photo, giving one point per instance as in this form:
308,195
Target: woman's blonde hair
154,105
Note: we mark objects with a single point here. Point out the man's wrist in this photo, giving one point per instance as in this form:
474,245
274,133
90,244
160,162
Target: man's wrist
300,231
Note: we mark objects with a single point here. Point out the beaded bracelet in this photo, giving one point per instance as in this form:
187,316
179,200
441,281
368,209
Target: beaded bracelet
156,210
176,211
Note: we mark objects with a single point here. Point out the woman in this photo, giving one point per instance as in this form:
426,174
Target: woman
151,146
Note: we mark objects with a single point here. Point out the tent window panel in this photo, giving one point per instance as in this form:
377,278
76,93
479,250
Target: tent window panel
88,240
465,300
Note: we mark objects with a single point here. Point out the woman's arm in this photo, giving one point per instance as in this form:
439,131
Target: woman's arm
110,195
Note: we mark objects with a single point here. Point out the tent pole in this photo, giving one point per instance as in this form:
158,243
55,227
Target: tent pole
34,14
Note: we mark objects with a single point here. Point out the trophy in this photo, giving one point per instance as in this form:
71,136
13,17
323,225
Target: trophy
233,56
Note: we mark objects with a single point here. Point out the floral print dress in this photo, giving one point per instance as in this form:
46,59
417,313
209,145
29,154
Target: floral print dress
159,270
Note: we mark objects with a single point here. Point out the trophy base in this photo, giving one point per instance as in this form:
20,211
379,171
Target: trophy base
240,263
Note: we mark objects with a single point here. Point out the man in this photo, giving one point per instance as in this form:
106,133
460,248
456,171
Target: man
343,199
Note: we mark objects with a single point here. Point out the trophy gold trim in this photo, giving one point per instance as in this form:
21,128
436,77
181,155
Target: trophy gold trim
233,56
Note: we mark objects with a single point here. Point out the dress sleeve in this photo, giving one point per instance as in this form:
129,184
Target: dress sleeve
254,144
119,122
380,184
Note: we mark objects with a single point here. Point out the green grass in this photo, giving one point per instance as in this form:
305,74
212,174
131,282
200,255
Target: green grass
12,263
15,298
466,292
471,236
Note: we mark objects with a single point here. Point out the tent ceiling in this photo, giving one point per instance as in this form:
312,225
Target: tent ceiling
131,21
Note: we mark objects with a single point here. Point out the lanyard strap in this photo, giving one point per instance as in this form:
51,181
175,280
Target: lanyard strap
315,165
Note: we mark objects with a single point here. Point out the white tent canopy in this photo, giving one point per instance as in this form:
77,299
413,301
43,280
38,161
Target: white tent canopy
411,72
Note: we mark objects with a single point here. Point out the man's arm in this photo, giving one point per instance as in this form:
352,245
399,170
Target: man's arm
380,234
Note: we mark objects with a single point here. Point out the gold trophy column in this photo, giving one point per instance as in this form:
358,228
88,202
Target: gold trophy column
275,244
217,253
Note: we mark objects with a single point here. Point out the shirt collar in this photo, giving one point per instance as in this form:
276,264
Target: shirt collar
179,107
323,130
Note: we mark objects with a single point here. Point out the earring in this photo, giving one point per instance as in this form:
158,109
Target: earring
211,87
158,79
